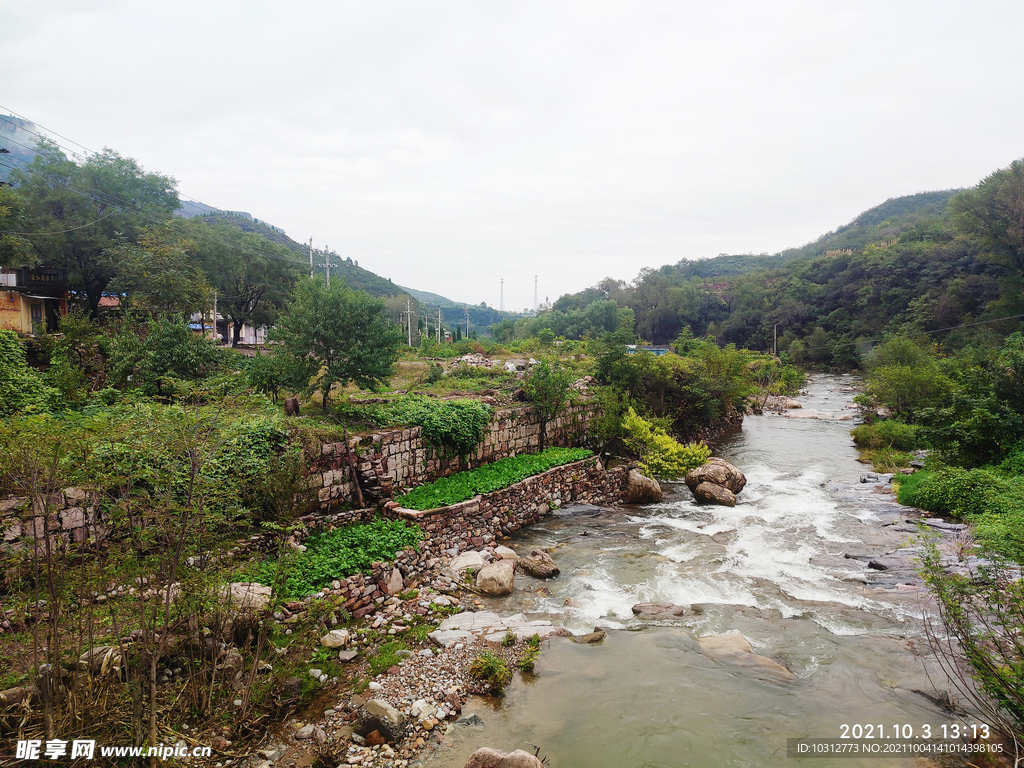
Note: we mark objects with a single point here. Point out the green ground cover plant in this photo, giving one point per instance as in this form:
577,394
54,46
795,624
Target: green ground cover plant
488,478
338,553
490,668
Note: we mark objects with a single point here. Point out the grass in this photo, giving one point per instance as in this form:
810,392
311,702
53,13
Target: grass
386,657
490,668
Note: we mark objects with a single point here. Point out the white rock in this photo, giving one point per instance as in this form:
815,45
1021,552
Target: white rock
336,638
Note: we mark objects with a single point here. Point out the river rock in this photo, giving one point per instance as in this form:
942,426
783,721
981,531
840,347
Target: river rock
790,404
336,638
504,553
487,757
719,472
244,596
658,610
378,715
715,494
496,578
539,565
641,489
735,648
591,638
470,560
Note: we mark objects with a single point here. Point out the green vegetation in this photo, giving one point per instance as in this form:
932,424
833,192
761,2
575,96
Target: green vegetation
455,427
21,388
547,389
334,335
386,657
488,478
336,554
491,669
529,657
661,455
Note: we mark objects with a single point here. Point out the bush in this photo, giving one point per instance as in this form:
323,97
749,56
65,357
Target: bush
21,388
982,623
961,492
661,455
490,668
887,434
339,553
454,427
488,478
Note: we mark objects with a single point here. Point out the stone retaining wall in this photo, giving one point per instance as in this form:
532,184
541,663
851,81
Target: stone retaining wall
401,458
70,515
479,521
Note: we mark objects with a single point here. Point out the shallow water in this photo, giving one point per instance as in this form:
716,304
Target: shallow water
771,568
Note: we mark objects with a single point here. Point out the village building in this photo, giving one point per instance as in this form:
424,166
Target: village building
32,299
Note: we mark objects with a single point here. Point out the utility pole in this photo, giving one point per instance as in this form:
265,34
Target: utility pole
408,318
467,322
311,257
438,325
327,258
216,335
501,300
535,294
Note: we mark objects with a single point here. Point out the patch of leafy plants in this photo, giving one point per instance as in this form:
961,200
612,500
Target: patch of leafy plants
488,478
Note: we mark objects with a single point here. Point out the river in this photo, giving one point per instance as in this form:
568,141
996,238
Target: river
772,568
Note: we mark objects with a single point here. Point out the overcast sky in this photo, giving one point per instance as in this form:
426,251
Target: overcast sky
449,144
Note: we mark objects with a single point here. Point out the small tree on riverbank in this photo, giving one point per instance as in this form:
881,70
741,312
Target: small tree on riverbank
547,390
335,335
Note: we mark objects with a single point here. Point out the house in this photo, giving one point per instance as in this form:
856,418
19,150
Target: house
655,349
32,298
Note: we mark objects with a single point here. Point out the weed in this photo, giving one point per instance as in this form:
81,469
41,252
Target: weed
510,639
489,668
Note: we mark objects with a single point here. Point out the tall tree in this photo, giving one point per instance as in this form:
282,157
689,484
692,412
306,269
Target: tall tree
335,335
994,213
81,211
252,276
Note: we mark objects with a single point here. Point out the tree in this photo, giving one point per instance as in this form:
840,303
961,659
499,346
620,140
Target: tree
86,210
14,249
547,390
994,213
161,273
335,335
252,276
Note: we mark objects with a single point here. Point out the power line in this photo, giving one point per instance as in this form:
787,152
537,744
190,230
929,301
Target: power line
58,232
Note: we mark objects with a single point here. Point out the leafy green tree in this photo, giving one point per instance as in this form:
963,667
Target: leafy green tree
86,210
335,335
143,357
252,276
993,212
547,390
161,273
14,249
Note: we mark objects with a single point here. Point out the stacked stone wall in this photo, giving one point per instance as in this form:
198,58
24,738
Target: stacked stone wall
389,461
479,521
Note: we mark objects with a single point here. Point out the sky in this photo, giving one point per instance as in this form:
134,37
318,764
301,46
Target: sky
447,145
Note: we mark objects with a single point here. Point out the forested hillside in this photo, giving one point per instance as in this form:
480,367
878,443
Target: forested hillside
913,264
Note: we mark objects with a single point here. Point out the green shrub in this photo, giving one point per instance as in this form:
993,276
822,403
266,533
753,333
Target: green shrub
886,434
490,668
21,388
961,492
886,459
661,455
452,426
488,478
339,553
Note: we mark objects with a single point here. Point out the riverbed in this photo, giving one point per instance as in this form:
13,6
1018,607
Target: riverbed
772,568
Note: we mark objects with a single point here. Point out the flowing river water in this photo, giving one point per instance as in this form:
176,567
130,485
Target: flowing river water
772,568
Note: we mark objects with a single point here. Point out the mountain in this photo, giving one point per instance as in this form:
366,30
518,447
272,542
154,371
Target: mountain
480,315
18,137
902,265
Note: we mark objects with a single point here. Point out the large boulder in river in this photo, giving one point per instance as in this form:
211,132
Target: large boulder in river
486,757
715,494
641,489
539,565
496,578
658,610
734,648
718,472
